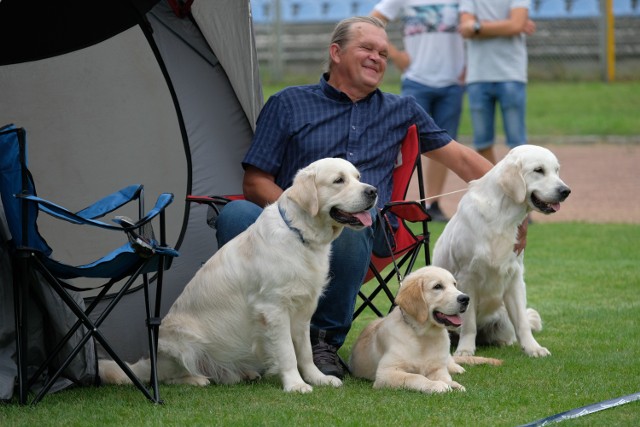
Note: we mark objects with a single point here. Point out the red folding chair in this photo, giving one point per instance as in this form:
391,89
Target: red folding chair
405,244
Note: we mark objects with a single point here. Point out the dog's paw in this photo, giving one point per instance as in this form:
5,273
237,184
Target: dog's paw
535,321
190,380
251,376
328,380
457,386
298,388
464,352
436,387
537,351
454,368
111,373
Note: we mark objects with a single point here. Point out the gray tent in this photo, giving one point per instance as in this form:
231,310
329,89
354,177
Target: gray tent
122,92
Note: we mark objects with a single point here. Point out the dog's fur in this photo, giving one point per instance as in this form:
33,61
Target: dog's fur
247,311
477,247
409,348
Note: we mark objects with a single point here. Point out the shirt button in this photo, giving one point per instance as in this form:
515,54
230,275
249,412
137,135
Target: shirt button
353,127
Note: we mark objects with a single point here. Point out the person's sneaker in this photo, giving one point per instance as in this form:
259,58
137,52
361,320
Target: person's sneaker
436,214
325,357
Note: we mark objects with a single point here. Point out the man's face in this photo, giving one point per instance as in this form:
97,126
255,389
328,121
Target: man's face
363,60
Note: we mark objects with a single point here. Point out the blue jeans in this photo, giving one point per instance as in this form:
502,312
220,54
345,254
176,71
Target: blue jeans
350,254
512,97
444,104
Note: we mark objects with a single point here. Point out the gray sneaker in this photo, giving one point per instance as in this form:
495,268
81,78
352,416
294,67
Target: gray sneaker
325,357
436,214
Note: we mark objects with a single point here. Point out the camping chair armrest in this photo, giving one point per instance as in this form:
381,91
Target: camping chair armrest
60,212
162,202
216,203
408,210
96,210
112,202
214,200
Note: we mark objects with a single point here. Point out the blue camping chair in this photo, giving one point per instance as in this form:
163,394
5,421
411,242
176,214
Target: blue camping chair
140,256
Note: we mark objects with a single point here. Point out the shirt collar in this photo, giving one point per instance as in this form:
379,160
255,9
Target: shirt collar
337,95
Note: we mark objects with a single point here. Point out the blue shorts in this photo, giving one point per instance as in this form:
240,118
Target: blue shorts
512,98
443,104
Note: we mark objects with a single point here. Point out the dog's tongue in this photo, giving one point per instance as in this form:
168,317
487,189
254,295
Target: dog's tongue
454,320
364,217
555,206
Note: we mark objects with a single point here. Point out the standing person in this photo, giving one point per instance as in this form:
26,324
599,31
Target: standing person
345,115
433,68
496,68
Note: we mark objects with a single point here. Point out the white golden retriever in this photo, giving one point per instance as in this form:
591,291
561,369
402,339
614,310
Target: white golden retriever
477,247
409,348
247,310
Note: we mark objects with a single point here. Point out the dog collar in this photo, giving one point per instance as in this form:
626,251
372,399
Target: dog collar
292,228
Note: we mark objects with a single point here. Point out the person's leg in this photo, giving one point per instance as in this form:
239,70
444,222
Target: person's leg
350,254
332,319
436,173
482,108
234,218
512,97
446,110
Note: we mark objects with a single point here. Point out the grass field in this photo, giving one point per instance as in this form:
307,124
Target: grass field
583,279
564,108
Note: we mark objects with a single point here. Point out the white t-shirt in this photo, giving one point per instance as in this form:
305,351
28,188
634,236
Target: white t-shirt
495,59
430,38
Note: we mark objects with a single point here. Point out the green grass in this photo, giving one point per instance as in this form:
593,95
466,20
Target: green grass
584,279
563,108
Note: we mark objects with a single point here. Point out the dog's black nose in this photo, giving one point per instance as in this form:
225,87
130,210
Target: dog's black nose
463,299
564,192
371,192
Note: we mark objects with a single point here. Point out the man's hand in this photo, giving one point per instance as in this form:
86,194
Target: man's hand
400,59
465,27
529,27
522,236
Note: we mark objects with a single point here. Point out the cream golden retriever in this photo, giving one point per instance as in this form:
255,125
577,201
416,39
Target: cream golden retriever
247,311
477,247
409,348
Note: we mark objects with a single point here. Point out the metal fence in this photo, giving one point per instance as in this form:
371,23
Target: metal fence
571,41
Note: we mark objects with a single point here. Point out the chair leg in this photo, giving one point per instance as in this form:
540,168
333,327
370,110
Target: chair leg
153,359
20,296
344,364
153,325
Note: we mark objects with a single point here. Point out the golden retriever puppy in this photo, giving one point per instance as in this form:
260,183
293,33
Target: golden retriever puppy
247,311
409,348
477,247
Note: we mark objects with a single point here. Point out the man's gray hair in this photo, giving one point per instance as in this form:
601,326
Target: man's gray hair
342,32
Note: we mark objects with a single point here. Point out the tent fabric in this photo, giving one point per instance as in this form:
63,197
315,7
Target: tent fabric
130,93
56,28
227,37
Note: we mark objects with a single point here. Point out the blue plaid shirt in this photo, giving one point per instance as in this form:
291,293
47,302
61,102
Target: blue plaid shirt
301,124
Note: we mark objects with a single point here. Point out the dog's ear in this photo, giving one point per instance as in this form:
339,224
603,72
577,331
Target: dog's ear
512,182
411,299
304,191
